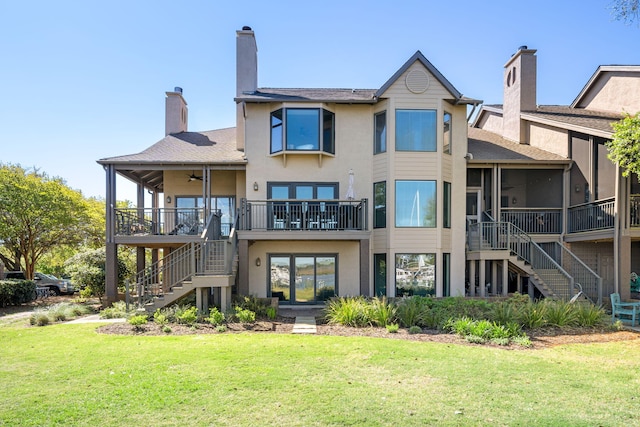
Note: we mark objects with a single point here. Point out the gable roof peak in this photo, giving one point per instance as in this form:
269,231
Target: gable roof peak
418,56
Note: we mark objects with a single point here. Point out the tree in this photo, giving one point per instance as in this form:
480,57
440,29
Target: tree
624,148
38,214
88,268
625,10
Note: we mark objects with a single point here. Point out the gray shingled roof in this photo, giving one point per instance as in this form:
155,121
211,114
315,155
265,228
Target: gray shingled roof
209,147
573,118
310,95
487,146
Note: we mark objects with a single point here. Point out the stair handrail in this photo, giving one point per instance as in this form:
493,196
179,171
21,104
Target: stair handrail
590,282
172,269
507,236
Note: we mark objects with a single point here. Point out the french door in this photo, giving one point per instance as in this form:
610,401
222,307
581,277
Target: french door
302,279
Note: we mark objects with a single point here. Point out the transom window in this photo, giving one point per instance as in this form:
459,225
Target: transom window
302,129
416,130
416,204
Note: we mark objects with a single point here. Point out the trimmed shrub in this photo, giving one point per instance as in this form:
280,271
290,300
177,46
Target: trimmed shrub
16,292
138,321
215,317
244,316
188,316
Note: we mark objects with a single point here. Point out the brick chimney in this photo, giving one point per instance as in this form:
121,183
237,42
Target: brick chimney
519,93
176,112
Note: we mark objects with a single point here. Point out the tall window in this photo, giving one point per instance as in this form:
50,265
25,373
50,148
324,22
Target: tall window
415,274
380,131
302,129
416,130
446,132
446,204
416,204
380,274
446,275
380,204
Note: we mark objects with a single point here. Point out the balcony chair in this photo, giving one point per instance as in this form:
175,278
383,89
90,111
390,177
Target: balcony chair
624,311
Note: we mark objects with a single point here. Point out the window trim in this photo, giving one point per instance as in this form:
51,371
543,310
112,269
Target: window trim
379,144
384,207
322,146
434,223
447,146
434,264
446,204
433,113
292,257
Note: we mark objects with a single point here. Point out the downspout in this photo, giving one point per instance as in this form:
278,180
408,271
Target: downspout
616,234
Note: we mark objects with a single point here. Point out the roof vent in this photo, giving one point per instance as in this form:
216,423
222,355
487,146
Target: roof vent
177,89
246,28
417,81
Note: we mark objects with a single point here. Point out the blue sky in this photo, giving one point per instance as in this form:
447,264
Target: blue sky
84,80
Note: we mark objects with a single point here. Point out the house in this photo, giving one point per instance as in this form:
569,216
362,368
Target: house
543,173
312,195
316,191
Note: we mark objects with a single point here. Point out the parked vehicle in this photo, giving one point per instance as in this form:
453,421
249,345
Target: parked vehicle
56,286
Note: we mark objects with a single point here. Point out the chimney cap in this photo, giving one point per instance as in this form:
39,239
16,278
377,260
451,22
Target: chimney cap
246,28
177,89
523,47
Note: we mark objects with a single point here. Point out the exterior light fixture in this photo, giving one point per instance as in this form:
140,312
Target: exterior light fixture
255,186
168,199
258,262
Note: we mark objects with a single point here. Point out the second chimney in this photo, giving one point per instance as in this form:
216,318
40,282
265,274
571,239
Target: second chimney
176,112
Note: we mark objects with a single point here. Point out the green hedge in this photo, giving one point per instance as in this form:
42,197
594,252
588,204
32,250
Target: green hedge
16,292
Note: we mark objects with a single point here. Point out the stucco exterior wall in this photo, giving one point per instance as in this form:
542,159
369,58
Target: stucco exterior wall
491,122
548,138
616,92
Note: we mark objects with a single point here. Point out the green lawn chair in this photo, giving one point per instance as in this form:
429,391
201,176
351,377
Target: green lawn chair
624,311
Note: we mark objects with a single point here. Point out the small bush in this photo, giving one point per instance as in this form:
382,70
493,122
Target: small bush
160,318
188,316
118,310
501,341
255,304
392,328
560,313
138,321
245,316
39,318
348,311
522,340
411,311
221,328
415,330
589,315
381,312
532,315
272,313
215,317
166,329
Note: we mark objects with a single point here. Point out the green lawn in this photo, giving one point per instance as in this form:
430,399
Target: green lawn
69,375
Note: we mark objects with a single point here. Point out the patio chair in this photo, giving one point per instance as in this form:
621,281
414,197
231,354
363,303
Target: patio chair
624,311
635,283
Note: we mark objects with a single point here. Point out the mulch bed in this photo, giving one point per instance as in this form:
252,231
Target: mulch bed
542,338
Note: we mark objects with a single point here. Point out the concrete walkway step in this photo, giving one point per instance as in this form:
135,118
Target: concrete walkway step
304,325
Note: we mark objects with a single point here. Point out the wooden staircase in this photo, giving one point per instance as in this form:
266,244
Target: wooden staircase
563,278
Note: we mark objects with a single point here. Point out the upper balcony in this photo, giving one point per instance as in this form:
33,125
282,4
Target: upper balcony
162,225
294,218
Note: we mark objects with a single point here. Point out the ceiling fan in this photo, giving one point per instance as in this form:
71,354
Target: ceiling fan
194,177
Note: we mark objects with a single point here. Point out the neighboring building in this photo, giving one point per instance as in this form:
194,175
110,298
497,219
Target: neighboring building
545,169
330,186
316,192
